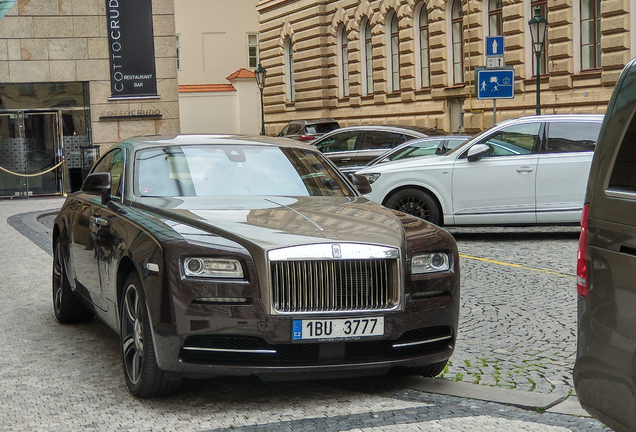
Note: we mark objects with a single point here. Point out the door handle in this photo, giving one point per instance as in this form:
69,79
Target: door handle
345,160
99,221
524,169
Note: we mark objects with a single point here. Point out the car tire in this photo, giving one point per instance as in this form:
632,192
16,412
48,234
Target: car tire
67,308
143,376
417,203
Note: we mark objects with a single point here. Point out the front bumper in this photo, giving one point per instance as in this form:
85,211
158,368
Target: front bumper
243,340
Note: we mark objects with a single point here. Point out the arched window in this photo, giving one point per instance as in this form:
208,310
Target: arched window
343,57
495,17
545,59
393,45
367,58
590,34
424,54
457,23
289,70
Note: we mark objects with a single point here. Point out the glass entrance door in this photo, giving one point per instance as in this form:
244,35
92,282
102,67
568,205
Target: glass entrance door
41,138
29,144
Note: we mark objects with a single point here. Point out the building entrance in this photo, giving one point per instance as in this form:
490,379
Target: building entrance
32,144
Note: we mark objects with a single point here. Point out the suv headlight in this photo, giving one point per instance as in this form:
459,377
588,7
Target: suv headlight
430,263
372,177
213,267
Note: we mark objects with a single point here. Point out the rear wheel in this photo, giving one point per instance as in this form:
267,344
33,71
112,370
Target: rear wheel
143,376
67,307
417,203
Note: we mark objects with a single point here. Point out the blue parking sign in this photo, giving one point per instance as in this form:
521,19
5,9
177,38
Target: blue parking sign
495,83
494,46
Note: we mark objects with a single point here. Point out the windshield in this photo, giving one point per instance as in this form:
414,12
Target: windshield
235,170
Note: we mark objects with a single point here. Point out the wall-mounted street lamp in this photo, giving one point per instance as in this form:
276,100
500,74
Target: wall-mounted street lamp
260,73
538,29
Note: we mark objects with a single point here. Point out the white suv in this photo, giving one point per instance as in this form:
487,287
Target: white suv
523,171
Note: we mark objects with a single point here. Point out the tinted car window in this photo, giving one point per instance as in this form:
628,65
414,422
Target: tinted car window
623,173
382,140
113,163
245,170
321,128
572,137
284,131
343,141
293,129
426,148
452,143
514,140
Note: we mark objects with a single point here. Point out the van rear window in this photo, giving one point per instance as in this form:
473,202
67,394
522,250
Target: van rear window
623,175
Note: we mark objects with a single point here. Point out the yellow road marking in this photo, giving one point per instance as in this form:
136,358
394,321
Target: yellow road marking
488,260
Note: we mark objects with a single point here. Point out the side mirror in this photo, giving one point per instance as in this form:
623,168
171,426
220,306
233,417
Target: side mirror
478,151
98,184
361,183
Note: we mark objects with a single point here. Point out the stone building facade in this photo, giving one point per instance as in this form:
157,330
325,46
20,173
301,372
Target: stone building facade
56,97
413,62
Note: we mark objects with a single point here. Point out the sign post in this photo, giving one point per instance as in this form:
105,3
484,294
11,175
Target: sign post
495,85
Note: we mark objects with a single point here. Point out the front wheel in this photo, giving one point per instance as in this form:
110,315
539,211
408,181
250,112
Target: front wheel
143,376
417,203
67,307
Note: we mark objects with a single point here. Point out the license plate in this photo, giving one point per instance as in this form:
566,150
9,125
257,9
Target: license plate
337,328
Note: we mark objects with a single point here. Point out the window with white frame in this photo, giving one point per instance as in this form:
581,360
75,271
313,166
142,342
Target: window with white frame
343,62
367,58
393,45
457,23
590,34
424,49
289,70
495,17
252,50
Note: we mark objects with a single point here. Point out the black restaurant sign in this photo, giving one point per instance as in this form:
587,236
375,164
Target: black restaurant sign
132,49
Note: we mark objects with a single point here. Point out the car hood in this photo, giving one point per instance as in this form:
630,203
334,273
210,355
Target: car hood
408,164
274,222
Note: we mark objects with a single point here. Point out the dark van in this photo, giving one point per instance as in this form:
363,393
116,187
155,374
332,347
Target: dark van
605,370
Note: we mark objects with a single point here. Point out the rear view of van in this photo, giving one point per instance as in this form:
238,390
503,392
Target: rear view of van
605,370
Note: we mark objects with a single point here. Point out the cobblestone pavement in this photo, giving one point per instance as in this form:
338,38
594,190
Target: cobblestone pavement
517,326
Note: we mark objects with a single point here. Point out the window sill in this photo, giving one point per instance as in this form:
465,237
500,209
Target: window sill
455,86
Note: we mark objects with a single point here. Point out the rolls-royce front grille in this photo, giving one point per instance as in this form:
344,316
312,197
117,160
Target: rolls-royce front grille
334,285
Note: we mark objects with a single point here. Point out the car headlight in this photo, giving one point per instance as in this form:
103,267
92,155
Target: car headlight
430,263
213,267
372,177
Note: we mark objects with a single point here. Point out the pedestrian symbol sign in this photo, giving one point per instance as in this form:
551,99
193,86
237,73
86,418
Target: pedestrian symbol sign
494,46
495,83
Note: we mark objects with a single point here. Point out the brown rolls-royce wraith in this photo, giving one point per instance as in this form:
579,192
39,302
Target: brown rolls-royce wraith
233,255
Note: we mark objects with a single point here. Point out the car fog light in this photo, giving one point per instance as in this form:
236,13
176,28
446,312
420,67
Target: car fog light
213,267
430,263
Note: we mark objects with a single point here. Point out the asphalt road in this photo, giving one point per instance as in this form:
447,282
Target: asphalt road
517,335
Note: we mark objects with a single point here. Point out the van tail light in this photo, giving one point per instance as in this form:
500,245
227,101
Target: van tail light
581,258
306,138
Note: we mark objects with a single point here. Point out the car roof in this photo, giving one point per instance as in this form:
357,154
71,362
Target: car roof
554,118
141,142
399,129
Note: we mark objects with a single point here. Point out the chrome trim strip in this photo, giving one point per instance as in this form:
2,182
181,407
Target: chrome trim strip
325,251
421,342
264,351
153,267
613,193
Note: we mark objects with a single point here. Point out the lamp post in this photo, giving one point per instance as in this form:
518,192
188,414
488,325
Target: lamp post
538,28
260,73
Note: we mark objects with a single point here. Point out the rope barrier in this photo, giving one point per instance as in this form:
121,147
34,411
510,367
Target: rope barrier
33,175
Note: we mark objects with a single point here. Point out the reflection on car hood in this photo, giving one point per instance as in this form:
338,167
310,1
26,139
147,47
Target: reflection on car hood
274,222
409,163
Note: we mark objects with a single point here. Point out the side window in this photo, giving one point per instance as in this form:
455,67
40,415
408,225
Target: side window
623,175
513,140
112,162
381,140
294,128
572,137
284,131
344,141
